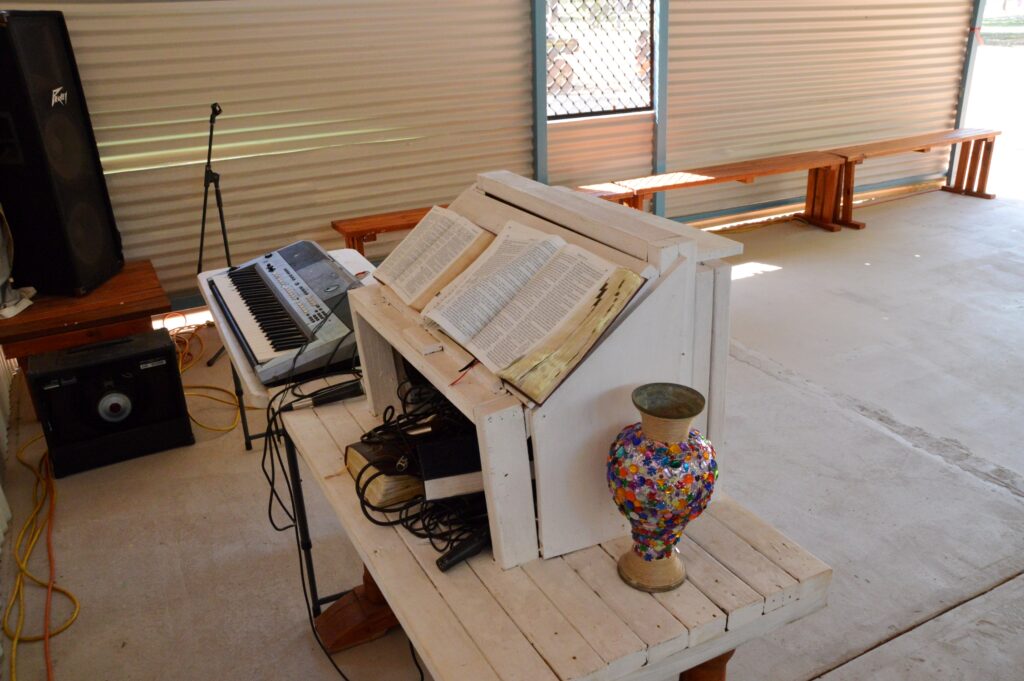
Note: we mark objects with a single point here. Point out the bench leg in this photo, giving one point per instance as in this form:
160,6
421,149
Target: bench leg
712,670
986,163
963,160
846,201
819,205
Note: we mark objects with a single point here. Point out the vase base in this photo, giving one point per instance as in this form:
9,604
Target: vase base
663,574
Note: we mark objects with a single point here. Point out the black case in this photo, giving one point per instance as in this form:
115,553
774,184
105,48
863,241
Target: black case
82,396
51,182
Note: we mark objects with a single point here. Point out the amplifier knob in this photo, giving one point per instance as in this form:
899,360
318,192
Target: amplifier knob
114,407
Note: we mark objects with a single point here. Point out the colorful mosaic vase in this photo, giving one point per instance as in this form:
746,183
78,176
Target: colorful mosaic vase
661,474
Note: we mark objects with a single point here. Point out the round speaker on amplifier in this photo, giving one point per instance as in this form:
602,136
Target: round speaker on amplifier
114,407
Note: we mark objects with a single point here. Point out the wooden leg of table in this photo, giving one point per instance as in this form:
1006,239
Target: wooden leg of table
712,670
972,170
358,617
986,163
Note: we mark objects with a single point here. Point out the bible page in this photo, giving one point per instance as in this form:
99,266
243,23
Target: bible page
568,282
423,256
482,290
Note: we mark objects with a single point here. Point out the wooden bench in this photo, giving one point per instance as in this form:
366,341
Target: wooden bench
357,231
822,169
121,306
971,177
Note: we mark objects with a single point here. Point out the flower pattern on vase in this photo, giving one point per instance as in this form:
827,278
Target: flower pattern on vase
660,486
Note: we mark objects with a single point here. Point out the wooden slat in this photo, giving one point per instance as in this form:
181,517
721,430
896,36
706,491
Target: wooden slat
494,632
703,619
568,654
703,330
607,634
505,464
985,164
741,604
441,640
719,362
961,168
972,172
811,572
769,580
656,626
731,172
899,145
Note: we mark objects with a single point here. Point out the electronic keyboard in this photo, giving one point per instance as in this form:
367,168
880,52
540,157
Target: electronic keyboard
289,311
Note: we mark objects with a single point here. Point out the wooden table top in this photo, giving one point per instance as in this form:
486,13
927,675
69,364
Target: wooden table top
133,292
732,171
900,145
569,617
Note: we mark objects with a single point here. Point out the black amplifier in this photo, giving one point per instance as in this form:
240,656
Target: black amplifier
108,402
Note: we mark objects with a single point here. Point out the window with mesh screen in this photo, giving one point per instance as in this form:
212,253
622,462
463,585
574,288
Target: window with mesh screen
599,56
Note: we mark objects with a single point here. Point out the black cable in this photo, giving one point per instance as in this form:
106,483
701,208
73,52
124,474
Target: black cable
412,651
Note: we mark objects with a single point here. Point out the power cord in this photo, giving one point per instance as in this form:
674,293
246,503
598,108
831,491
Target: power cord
44,493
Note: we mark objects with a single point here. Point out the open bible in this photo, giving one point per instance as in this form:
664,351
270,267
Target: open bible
441,246
531,306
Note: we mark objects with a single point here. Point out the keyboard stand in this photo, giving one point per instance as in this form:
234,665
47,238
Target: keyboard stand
246,382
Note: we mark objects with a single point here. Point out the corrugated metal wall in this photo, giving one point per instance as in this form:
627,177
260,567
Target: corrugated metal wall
749,78
332,109
598,149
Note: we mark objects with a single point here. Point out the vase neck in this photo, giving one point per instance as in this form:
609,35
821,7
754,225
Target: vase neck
665,430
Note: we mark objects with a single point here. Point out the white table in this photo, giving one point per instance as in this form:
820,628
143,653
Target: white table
569,617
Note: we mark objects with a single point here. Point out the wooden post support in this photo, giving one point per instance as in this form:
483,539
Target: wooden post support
358,617
712,670
986,162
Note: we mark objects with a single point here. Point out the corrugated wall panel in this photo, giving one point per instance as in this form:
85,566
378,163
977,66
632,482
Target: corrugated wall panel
748,78
601,148
332,109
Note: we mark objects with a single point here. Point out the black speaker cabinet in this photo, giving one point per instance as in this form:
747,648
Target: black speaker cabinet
51,183
108,402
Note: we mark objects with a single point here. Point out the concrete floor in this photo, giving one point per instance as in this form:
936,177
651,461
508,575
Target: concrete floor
874,413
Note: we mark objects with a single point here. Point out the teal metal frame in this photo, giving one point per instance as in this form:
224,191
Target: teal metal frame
540,90
658,163
965,75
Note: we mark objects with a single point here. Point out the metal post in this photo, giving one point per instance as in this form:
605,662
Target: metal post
660,96
540,90
965,76
242,416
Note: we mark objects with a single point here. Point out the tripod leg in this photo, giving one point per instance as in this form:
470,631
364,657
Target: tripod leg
202,229
242,416
213,360
220,211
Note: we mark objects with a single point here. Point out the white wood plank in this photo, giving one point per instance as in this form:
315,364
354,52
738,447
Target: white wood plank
741,604
719,355
505,463
380,376
573,429
495,634
764,576
492,215
387,320
656,626
609,223
702,618
703,323
811,572
733,638
442,642
540,621
606,633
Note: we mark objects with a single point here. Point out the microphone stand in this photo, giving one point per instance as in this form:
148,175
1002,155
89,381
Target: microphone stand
213,178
